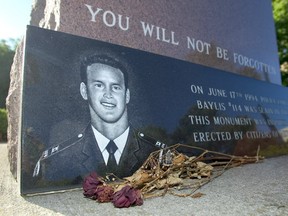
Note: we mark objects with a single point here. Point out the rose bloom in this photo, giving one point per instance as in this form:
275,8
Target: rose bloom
127,196
90,185
104,193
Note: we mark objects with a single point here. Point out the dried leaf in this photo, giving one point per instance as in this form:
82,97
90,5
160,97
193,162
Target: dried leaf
173,180
161,183
201,164
205,169
119,186
179,159
192,158
139,178
192,174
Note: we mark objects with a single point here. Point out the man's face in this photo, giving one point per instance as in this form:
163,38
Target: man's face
105,92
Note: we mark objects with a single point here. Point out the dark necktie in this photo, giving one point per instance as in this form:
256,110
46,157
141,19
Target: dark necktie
111,148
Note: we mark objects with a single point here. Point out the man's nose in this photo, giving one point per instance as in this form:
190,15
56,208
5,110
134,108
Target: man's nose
108,93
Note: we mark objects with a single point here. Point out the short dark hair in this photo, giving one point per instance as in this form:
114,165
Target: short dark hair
103,58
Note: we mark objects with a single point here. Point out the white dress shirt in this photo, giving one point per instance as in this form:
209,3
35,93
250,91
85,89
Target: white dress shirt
103,142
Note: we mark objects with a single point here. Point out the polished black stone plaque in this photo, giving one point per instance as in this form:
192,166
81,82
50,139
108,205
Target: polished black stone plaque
172,101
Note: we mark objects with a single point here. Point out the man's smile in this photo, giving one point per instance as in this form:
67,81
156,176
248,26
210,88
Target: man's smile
108,105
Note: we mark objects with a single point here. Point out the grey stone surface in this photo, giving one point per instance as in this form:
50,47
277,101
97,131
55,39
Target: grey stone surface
252,190
243,27
13,104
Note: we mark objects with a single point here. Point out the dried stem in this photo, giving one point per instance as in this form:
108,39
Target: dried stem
197,170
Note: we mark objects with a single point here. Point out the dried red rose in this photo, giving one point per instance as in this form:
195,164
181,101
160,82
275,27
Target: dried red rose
104,193
90,185
127,196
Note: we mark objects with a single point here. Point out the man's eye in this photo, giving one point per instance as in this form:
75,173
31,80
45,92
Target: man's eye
98,85
116,88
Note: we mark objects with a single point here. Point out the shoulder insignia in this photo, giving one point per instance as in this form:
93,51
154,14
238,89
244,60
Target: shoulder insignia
61,146
56,149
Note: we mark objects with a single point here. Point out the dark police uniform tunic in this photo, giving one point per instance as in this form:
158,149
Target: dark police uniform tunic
70,161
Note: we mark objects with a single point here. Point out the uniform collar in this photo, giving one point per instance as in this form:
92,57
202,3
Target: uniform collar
103,141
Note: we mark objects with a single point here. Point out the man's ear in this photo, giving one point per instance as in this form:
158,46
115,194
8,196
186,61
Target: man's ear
127,96
83,90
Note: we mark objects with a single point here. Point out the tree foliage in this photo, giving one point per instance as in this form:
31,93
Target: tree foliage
7,51
3,125
280,11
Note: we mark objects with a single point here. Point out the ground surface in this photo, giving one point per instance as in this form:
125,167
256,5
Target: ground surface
254,189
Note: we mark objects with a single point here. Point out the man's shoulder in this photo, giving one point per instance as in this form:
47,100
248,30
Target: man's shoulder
144,145
64,151
75,142
63,146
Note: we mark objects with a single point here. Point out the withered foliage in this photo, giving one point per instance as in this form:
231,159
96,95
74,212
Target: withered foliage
170,171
